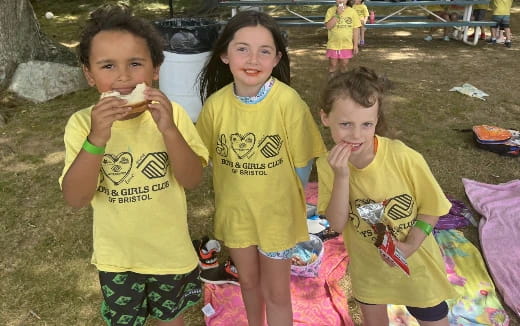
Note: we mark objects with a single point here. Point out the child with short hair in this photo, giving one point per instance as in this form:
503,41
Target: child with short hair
362,168
362,11
262,141
342,23
133,168
502,16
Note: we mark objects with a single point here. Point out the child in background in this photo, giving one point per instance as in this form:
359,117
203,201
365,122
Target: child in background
262,141
479,14
364,167
132,169
342,23
440,11
362,11
502,16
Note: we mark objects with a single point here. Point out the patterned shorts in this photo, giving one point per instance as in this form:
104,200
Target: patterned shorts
129,298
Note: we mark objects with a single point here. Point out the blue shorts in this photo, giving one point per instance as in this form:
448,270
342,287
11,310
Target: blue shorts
129,298
434,313
502,21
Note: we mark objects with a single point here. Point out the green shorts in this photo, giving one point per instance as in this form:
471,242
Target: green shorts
129,298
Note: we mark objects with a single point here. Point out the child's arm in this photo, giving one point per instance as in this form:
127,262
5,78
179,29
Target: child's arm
337,210
186,165
416,236
80,181
355,40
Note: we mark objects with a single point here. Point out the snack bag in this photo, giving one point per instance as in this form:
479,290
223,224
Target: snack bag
373,215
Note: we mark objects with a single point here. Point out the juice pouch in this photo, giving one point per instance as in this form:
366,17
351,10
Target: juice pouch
373,215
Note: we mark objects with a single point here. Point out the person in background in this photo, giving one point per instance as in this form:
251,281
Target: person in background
442,12
479,14
343,24
362,11
262,141
363,167
132,169
502,16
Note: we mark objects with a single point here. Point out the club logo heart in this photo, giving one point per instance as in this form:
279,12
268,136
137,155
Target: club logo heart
117,168
242,144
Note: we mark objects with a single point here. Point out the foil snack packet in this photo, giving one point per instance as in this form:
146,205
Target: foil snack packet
373,214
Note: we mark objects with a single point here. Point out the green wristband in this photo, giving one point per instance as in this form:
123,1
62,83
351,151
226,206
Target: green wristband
425,227
93,149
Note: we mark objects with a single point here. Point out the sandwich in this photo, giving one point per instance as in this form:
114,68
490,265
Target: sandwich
135,99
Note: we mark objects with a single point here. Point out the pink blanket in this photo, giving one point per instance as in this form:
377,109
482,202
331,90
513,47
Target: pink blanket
316,301
499,231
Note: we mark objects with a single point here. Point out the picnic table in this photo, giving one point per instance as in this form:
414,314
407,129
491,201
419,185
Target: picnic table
391,20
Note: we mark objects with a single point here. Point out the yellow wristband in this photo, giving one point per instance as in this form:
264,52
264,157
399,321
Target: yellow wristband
425,227
93,149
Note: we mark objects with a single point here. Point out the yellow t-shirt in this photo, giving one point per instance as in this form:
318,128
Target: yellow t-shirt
502,7
254,149
340,37
140,215
401,176
361,10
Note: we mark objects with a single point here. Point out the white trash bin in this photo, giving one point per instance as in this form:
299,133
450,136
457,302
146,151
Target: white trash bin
178,79
188,42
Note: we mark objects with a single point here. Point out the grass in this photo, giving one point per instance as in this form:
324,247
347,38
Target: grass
45,272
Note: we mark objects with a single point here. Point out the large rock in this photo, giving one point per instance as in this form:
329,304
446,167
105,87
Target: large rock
40,81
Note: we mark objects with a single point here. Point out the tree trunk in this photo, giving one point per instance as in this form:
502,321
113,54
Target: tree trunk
21,40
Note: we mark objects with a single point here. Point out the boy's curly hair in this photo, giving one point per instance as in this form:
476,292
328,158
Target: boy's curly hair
119,17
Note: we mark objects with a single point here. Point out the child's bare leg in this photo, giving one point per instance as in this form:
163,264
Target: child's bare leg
276,289
374,315
247,263
442,322
507,31
493,32
179,321
343,64
333,65
362,35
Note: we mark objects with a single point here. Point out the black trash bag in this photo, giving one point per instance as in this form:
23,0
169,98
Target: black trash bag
188,35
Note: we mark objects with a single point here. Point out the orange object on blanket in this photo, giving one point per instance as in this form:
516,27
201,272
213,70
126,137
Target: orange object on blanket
487,133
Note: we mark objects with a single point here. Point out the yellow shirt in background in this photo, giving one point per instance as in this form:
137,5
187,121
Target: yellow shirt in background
361,10
340,37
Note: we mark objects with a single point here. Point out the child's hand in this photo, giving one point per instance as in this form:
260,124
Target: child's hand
355,50
103,115
338,159
160,108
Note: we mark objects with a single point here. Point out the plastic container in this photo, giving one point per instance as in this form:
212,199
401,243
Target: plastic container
312,269
188,42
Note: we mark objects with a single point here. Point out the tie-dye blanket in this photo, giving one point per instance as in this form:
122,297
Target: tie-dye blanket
316,301
499,231
478,304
